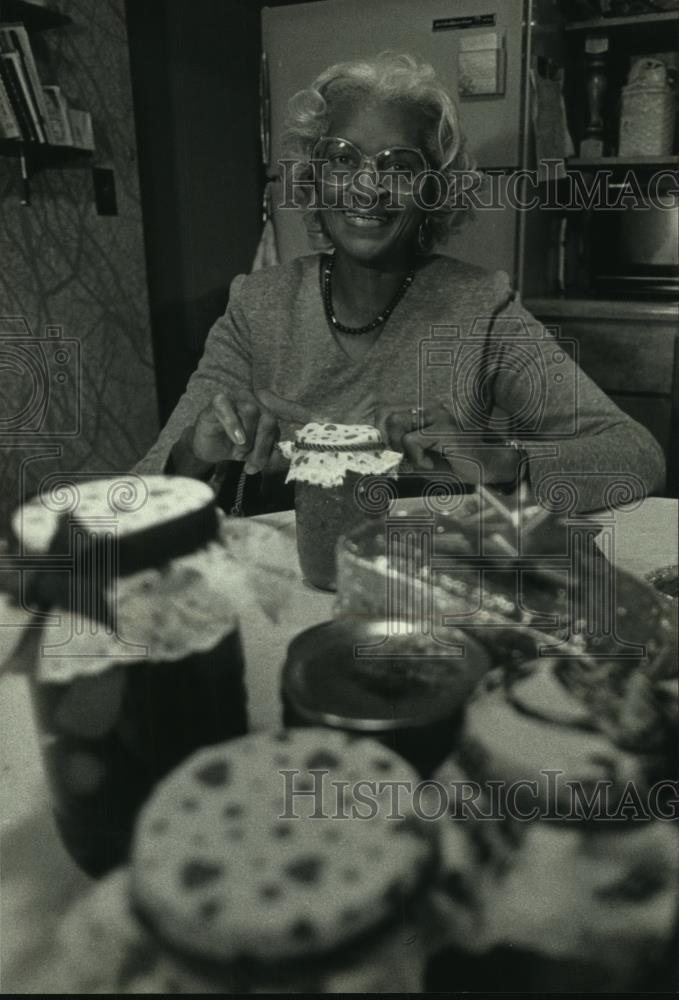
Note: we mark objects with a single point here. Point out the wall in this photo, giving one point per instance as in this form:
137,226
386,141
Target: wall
65,266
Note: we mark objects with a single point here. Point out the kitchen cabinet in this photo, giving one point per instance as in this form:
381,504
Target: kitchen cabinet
608,277
631,350
607,222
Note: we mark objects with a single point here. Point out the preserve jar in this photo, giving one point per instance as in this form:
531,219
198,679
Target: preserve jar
138,660
343,476
325,513
260,887
564,873
406,690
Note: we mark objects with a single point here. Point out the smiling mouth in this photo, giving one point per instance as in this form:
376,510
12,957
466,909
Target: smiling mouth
364,220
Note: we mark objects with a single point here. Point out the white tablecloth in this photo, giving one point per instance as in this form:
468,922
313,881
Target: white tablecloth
38,879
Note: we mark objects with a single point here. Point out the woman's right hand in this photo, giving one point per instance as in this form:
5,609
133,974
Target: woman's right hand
234,426
243,426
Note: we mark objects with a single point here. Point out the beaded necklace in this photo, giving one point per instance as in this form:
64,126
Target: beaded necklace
378,321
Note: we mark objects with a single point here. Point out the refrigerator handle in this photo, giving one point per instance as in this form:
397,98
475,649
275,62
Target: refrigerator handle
264,110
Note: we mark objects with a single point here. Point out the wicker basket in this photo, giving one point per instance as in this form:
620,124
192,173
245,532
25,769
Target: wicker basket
647,121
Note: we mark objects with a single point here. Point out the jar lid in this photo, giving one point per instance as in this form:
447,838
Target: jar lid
168,582
355,674
322,454
152,518
234,859
535,733
649,73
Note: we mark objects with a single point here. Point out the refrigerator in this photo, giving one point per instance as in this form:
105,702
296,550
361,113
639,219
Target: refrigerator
481,52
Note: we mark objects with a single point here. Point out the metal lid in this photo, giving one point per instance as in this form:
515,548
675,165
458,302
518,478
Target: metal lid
355,673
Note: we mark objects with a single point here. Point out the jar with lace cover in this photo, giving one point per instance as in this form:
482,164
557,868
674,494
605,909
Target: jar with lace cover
343,475
135,649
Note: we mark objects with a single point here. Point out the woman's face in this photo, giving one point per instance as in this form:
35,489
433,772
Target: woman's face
382,229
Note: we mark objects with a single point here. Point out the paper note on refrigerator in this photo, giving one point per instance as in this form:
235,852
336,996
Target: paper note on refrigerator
481,64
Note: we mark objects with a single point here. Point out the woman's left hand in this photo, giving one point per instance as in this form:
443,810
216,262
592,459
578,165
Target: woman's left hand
421,433
416,430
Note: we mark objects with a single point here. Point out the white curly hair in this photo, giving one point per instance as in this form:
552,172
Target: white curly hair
389,76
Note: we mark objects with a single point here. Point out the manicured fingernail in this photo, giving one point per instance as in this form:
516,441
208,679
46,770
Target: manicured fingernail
239,437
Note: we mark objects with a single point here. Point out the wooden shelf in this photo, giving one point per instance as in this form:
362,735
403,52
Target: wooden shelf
33,16
597,306
34,156
43,154
634,20
623,161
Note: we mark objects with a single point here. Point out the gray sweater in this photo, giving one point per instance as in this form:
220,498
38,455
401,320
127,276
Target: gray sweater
459,336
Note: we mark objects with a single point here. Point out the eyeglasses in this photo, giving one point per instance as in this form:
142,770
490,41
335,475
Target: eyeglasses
341,160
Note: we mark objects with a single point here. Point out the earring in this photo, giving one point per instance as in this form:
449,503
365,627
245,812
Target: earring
424,235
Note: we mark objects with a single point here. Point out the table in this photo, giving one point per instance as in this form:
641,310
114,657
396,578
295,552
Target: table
38,879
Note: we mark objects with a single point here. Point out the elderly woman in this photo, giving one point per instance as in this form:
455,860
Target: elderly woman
377,328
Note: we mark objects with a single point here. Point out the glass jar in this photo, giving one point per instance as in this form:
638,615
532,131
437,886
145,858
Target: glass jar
137,661
406,690
563,884
343,475
324,514
106,739
323,898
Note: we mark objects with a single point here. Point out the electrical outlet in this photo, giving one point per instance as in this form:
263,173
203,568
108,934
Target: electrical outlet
105,191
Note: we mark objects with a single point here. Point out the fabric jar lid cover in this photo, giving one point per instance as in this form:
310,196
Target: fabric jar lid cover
322,454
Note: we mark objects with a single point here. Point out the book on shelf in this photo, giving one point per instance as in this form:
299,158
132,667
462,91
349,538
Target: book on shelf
81,129
9,126
57,113
14,39
10,77
29,110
